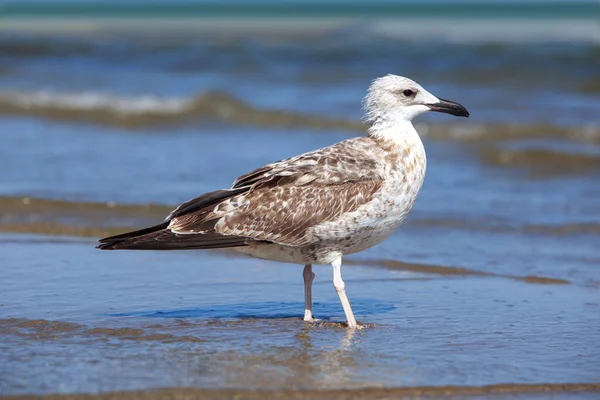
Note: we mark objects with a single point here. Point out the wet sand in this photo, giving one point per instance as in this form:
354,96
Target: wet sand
24,214
507,391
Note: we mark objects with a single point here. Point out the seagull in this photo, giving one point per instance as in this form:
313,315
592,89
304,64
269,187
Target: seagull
316,207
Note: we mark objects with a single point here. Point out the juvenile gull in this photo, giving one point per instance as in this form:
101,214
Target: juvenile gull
316,207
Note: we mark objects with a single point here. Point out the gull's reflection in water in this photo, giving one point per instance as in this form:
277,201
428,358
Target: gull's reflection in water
345,341
285,354
265,345
330,362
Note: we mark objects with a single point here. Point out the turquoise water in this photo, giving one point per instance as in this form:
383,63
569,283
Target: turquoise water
362,9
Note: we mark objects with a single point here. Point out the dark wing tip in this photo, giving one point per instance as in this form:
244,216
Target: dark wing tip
106,246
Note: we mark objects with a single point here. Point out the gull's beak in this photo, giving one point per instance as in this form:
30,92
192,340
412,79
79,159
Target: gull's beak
449,107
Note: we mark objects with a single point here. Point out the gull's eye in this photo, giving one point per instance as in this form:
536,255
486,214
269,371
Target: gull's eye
408,93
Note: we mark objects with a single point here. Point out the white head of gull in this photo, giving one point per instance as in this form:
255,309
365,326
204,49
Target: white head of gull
316,207
393,101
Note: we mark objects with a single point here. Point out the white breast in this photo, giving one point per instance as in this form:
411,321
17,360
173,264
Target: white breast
373,222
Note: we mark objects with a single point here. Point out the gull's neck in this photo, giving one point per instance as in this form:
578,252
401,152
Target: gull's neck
403,146
395,133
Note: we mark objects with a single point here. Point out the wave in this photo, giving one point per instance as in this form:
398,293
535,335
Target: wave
148,111
542,163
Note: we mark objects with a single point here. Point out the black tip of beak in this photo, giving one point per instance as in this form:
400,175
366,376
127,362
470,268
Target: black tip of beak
449,107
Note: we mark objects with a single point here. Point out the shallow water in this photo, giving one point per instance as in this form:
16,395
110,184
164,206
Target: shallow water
82,320
492,280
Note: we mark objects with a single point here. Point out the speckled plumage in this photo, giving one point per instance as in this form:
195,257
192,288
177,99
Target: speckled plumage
318,206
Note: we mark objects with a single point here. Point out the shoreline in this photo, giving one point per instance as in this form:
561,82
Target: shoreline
346,394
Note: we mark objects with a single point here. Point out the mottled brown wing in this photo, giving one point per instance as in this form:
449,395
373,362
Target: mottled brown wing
283,214
347,161
286,198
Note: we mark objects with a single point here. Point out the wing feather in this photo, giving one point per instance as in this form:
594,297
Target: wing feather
277,203
284,199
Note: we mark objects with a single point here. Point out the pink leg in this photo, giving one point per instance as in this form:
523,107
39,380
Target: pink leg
309,276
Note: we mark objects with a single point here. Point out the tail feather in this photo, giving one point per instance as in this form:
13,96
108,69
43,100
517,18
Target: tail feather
133,234
160,237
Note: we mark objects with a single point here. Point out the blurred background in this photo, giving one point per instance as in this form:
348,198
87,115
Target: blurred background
113,112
